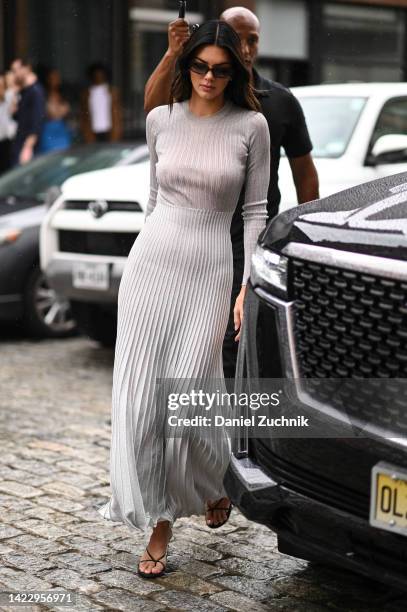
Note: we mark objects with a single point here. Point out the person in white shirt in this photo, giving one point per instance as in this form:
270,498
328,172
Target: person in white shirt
101,114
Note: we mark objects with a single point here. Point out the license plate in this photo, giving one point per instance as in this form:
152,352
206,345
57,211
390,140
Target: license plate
90,275
388,500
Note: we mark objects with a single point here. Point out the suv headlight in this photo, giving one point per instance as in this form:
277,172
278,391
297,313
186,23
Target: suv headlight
269,269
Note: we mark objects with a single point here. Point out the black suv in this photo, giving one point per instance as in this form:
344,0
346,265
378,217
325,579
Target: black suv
326,309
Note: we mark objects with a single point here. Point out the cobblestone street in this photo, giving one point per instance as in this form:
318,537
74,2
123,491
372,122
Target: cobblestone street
55,439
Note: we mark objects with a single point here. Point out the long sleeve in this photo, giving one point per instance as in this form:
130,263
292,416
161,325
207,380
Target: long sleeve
37,114
254,209
151,140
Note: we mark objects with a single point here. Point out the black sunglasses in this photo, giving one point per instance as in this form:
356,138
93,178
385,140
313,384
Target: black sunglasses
218,71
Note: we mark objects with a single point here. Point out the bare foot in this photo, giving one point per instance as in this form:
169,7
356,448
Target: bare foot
157,546
219,515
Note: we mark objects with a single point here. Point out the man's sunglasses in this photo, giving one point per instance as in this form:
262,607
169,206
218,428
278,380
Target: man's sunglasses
218,71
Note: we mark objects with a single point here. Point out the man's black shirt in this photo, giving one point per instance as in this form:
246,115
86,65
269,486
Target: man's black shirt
30,116
288,129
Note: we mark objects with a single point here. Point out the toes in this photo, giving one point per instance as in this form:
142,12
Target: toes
216,517
146,566
221,516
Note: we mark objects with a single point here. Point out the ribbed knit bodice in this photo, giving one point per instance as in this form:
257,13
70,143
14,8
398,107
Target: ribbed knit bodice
202,163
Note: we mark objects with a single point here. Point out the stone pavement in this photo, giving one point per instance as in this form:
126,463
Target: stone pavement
55,438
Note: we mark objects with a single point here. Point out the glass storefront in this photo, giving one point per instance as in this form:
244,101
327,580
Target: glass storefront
362,43
129,36
301,42
67,35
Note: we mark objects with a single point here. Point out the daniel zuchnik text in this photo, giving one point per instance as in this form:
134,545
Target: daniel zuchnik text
260,420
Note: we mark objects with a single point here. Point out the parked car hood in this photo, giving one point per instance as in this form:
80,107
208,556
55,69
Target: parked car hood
29,217
333,175
127,183
370,218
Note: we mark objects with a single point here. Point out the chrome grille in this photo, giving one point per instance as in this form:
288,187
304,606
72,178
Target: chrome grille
352,325
112,205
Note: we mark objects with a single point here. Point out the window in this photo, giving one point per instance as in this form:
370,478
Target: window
361,43
331,121
392,119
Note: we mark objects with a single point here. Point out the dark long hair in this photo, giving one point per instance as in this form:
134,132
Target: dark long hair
220,33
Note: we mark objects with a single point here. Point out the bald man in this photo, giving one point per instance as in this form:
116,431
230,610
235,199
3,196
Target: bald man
287,128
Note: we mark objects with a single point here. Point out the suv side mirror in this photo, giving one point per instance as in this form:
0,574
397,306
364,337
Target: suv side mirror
389,149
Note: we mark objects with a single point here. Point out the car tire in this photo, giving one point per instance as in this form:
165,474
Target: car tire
46,314
102,333
96,323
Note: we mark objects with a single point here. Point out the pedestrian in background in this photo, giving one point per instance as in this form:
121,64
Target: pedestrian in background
30,113
287,128
12,91
101,112
7,125
56,134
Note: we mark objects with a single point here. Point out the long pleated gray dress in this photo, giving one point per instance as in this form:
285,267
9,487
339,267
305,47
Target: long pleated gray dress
173,306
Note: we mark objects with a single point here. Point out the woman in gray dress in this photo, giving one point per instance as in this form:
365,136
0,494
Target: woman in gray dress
174,294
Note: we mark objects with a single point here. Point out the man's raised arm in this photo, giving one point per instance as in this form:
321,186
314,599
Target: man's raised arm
158,87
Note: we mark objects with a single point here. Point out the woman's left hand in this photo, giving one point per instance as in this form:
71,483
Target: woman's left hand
238,311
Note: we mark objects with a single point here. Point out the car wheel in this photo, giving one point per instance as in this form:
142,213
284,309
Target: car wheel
46,314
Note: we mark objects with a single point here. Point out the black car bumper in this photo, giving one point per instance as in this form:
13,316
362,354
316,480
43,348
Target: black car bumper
314,531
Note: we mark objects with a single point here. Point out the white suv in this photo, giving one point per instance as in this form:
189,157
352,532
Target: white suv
85,239
359,133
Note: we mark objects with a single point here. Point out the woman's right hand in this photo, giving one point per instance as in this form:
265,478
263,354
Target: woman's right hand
238,311
178,34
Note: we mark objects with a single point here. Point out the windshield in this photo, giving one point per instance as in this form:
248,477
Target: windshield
33,180
331,121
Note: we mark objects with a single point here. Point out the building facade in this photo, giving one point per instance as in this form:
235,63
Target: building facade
302,41
325,41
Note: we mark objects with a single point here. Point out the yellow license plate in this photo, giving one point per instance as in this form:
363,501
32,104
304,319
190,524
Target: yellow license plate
388,500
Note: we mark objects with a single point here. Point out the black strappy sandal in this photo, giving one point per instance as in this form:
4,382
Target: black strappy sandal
218,507
152,574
